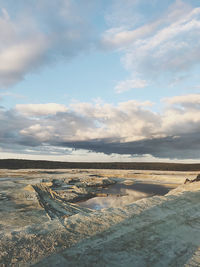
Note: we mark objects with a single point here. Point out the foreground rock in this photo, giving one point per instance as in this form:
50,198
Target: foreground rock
156,231
159,231
197,179
42,224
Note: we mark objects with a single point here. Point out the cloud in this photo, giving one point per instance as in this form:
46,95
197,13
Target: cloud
40,109
191,101
127,85
131,120
125,35
20,58
161,45
40,34
129,128
34,36
182,147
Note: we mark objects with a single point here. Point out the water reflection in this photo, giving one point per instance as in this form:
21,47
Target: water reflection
3,179
121,194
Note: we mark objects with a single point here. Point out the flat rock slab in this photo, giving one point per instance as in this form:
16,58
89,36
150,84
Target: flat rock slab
159,231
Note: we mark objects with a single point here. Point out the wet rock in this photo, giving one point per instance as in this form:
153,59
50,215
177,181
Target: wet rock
74,181
57,182
3,196
108,181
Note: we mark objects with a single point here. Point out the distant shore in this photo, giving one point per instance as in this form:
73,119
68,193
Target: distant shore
42,164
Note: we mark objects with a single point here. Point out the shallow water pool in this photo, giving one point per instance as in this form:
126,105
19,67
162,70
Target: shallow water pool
121,194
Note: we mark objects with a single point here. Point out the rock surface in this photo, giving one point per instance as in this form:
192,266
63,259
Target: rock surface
158,231
155,231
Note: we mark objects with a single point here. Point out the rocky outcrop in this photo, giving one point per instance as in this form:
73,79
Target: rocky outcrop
54,205
156,231
57,196
42,223
197,179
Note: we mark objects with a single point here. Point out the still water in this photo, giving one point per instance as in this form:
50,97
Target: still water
121,194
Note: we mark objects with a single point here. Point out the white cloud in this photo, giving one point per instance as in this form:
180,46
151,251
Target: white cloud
165,45
20,58
127,128
125,35
185,101
127,85
127,122
41,133
40,109
36,35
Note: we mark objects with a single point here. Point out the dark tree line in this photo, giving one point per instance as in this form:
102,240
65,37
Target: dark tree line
42,164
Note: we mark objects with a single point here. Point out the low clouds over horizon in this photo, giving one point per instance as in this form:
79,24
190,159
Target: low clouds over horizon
129,128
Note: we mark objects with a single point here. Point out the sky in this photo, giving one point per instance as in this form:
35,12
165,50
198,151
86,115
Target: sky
109,80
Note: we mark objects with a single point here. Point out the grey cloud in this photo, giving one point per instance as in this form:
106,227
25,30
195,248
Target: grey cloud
33,35
183,147
11,124
17,132
129,128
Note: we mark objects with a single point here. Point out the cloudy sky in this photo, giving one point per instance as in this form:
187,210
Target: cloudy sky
109,80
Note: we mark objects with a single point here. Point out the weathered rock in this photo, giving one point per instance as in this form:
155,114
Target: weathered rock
197,179
158,231
187,181
54,205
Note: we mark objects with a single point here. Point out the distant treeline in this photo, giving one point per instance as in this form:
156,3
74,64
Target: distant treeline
42,164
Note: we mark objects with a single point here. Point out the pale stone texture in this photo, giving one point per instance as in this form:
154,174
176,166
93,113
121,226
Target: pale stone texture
156,231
